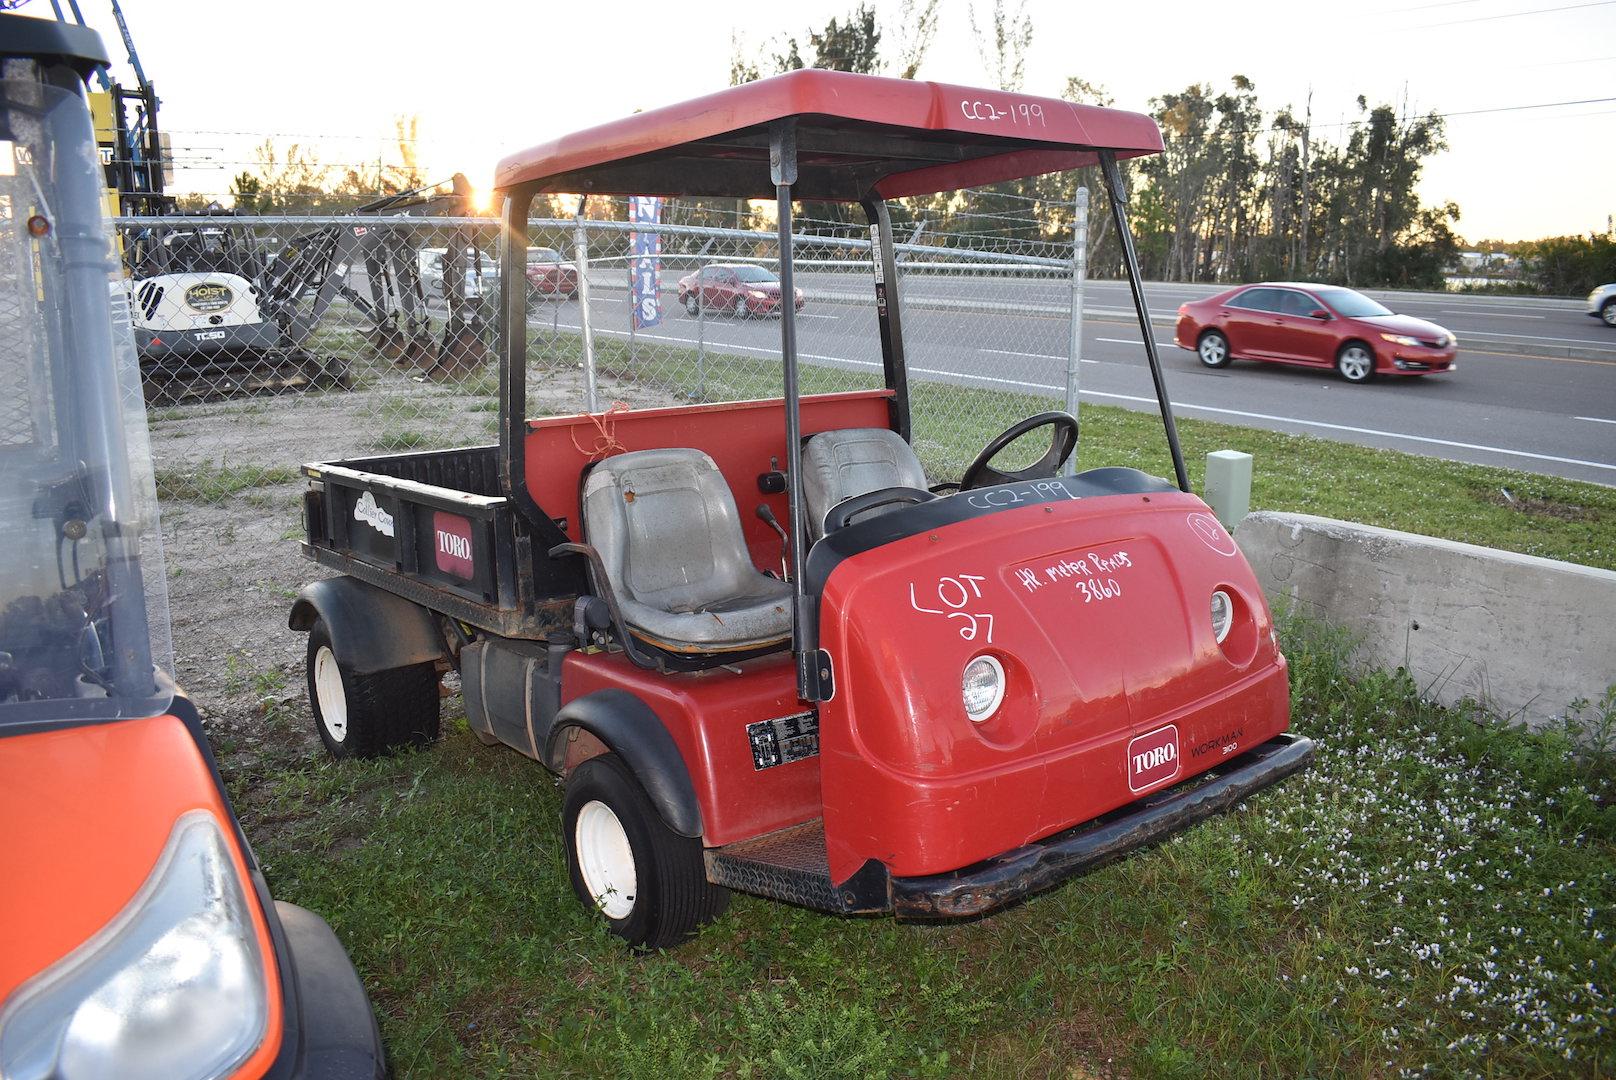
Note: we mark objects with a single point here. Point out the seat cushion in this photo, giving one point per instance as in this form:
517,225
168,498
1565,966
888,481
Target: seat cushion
666,527
837,465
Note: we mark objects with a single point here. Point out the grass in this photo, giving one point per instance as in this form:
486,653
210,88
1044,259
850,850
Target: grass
217,483
1435,896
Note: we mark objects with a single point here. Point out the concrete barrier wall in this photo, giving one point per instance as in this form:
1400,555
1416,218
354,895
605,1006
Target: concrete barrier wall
1525,636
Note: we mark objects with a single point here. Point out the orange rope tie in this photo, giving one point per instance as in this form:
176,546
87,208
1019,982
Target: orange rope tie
606,442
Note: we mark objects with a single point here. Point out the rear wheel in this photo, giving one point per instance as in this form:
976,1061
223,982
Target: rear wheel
743,307
1607,312
692,304
1355,362
1213,349
648,882
368,715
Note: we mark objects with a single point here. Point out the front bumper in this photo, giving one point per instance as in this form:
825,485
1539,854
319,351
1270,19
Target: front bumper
1401,360
336,1035
1006,878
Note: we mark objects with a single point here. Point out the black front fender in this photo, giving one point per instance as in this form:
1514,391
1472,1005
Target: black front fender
371,629
634,733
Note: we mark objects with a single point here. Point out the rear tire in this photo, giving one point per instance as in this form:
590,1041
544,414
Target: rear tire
648,882
1213,349
1355,362
367,716
1607,312
692,305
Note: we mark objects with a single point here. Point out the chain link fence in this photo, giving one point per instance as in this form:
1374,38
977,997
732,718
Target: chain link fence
269,342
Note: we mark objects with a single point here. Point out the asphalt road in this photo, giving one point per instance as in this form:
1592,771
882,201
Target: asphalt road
1521,408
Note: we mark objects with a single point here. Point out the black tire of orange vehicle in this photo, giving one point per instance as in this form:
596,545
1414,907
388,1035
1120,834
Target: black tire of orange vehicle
366,716
1212,348
671,897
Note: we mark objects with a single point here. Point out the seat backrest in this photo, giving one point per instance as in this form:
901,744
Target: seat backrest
837,465
666,527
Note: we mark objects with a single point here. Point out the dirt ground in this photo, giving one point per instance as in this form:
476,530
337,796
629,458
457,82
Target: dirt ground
231,510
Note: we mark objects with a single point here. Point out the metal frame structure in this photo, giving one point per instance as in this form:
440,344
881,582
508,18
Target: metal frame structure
895,139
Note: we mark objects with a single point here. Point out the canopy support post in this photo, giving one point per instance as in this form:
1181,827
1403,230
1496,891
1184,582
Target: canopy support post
1130,258
813,671
885,263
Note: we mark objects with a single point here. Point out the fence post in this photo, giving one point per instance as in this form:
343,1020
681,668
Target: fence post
633,309
1080,269
580,239
701,334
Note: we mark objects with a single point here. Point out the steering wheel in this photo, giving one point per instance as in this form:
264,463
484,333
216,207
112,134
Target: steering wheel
840,515
1062,441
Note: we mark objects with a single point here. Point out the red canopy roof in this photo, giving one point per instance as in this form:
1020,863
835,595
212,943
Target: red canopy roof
856,134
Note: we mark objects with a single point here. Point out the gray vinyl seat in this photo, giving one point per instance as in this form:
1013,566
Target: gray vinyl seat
837,465
667,530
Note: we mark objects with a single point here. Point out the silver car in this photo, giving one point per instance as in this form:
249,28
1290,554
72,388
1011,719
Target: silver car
1602,304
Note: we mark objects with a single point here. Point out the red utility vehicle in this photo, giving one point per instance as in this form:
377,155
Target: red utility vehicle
739,288
1312,326
952,696
137,935
550,274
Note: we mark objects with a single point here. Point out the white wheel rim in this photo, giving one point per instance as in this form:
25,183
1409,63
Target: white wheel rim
328,694
605,859
1354,363
1609,314
1212,350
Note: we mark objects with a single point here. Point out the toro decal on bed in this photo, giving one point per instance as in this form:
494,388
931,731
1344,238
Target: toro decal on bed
1153,758
452,544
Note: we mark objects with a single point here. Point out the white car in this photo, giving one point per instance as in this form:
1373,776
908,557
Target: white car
1602,304
481,273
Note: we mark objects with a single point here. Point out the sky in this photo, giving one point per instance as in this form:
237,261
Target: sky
488,77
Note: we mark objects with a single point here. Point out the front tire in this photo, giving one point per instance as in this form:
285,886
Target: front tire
692,305
367,716
648,882
1213,350
1607,312
1355,362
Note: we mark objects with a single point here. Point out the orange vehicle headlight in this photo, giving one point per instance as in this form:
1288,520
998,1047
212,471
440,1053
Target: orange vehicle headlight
173,987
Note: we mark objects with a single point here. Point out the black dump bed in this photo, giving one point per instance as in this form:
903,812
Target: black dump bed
433,527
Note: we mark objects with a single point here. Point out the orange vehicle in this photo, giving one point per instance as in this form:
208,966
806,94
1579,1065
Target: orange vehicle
137,935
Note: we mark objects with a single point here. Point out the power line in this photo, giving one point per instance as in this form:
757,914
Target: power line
1516,14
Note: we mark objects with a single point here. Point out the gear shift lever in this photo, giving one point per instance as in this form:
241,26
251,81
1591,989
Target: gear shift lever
767,516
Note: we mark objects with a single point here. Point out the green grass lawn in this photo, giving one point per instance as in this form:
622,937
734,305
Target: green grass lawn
1435,896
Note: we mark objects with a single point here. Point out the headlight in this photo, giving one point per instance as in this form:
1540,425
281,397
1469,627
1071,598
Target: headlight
173,987
757,295
982,687
1222,615
1400,339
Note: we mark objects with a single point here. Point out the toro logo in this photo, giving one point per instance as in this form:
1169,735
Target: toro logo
1153,757
452,545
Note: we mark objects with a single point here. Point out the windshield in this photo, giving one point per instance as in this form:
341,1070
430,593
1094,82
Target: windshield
756,274
543,255
1352,305
78,523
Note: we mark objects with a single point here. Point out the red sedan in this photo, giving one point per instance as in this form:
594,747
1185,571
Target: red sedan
550,274
741,288
1312,326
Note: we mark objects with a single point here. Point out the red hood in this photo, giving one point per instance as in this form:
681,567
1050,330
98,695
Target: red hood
1405,324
